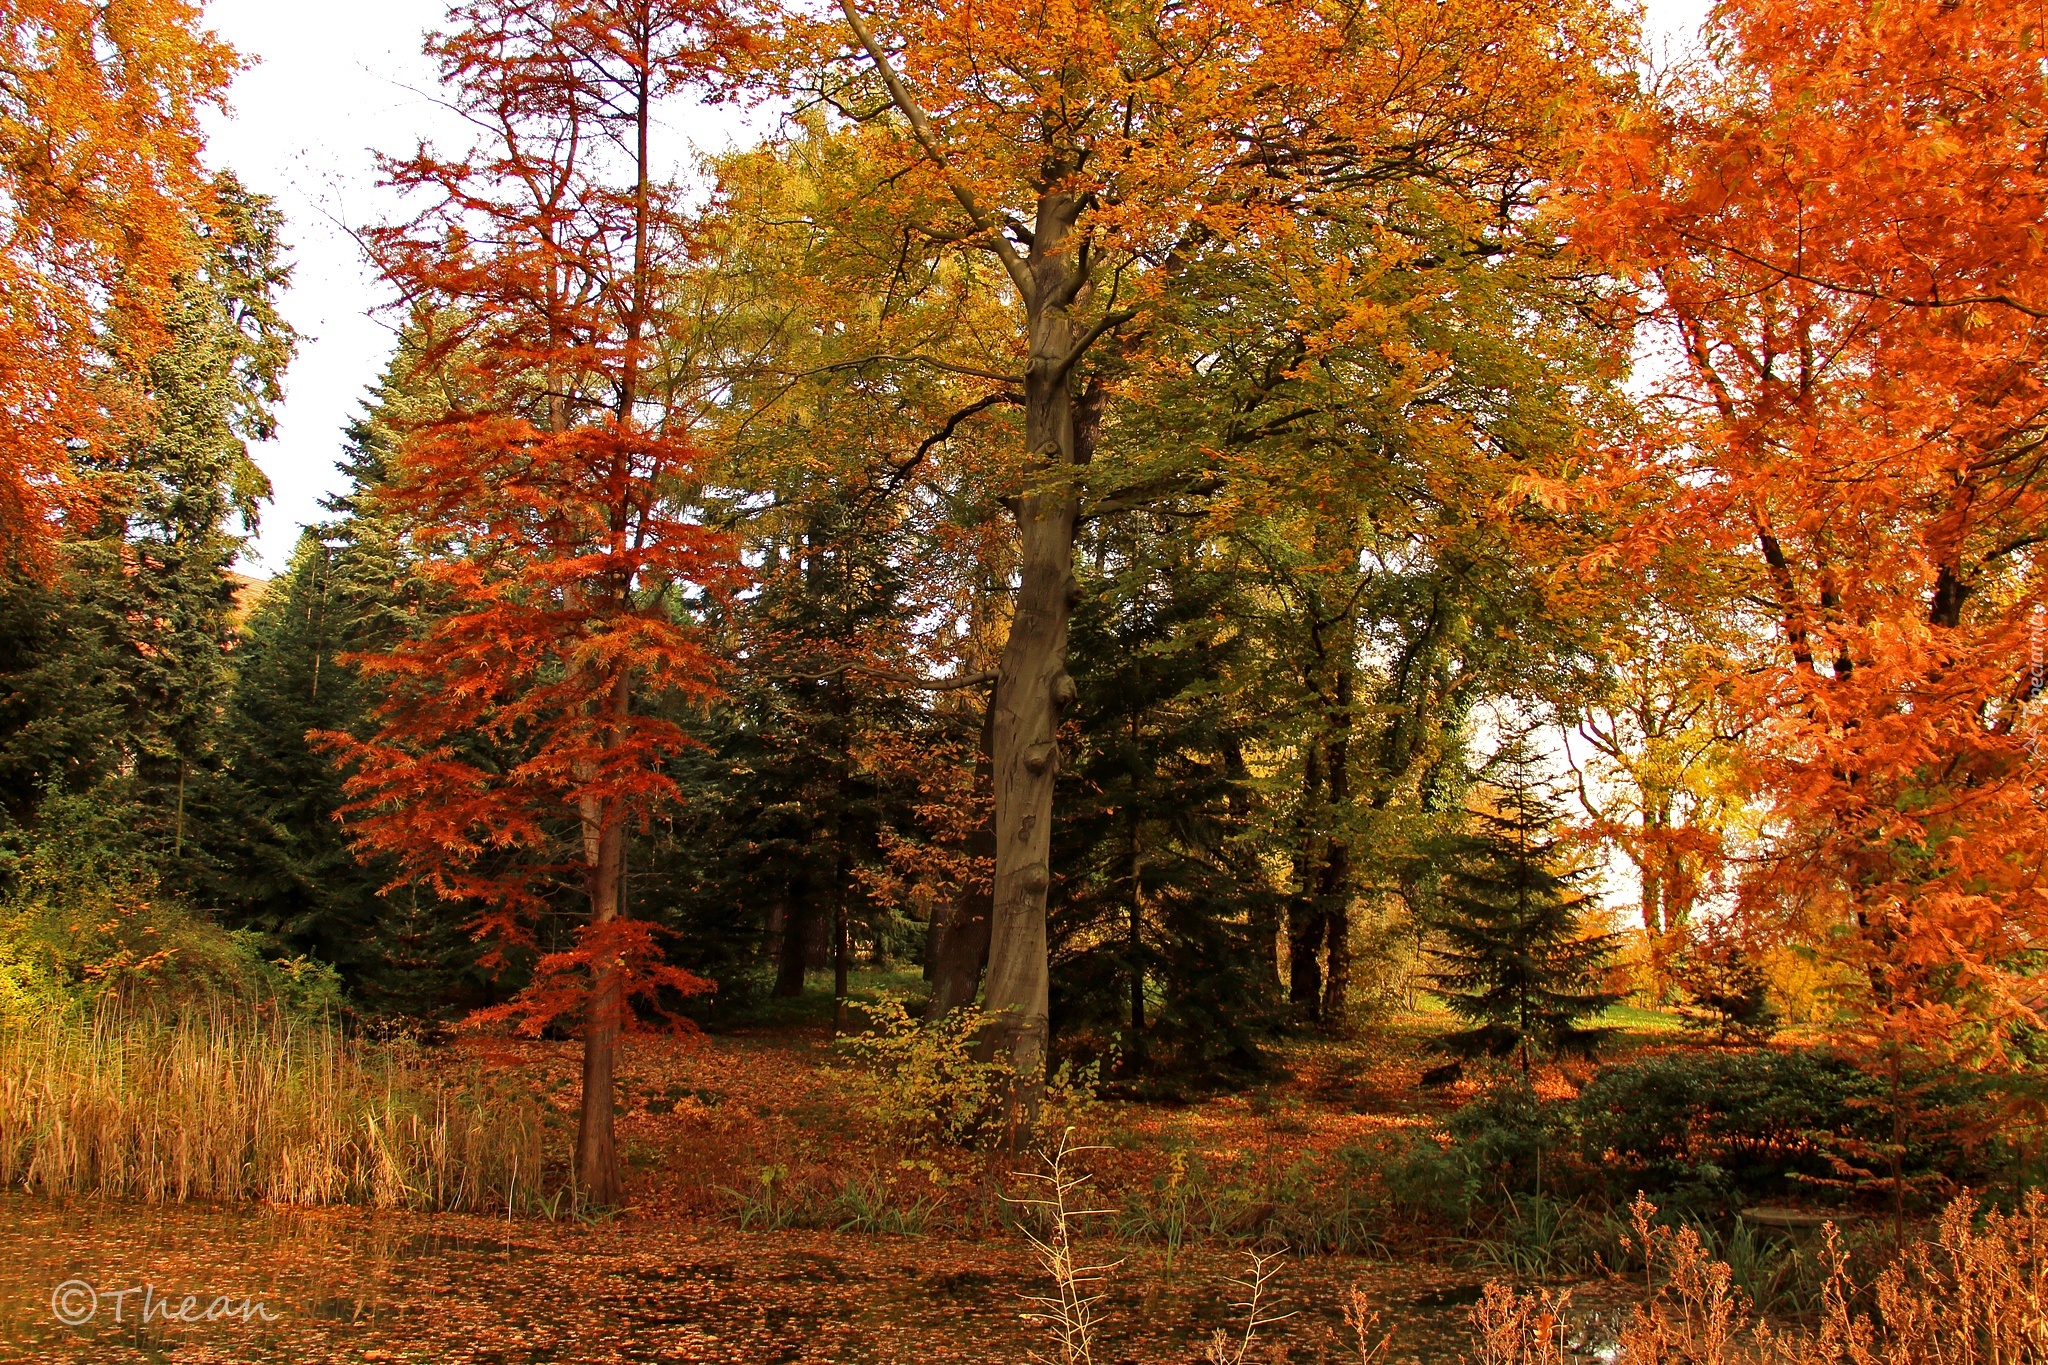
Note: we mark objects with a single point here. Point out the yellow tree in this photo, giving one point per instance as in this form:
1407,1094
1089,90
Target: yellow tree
1072,160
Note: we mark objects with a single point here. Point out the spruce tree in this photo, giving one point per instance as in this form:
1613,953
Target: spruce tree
114,678
283,865
1158,893
1514,961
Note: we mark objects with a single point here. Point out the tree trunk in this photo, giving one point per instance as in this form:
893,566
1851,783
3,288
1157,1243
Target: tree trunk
960,947
1336,882
597,1162
1032,684
797,922
1305,926
842,959
775,932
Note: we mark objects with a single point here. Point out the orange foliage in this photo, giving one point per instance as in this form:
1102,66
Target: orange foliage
514,741
1837,223
101,182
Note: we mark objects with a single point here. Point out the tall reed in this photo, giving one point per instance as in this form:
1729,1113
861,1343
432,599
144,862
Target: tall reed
231,1103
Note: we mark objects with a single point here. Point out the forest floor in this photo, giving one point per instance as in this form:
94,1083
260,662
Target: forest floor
676,1279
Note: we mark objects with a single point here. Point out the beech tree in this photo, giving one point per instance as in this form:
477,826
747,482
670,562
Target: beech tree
1072,161
550,501
1837,217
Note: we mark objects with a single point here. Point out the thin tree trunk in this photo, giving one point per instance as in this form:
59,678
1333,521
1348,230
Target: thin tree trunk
1305,924
775,931
1336,881
842,959
1135,947
961,951
597,1163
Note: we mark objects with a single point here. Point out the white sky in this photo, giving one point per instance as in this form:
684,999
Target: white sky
334,83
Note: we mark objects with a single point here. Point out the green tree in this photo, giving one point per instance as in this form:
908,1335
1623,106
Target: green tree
1156,910
115,676
1515,962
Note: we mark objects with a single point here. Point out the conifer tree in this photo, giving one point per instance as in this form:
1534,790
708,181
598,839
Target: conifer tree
118,670
1515,962
1155,915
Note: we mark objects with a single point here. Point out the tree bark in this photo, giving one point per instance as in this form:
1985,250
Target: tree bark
794,960
1336,881
1305,928
1032,684
597,1162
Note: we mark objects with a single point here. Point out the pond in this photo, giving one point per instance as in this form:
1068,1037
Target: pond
303,1286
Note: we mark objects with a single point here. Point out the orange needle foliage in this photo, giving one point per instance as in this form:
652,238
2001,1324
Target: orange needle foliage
514,742
1841,219
102,186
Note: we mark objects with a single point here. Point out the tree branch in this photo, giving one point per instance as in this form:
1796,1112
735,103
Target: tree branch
1108,322
921,129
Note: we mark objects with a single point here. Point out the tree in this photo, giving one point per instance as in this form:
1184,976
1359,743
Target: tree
101,182
1156,911
1516,962
514,742
1661,784
283,864
1835,219
124,669
1120,142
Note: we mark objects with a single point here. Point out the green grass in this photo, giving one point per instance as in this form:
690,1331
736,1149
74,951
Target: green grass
1640,1020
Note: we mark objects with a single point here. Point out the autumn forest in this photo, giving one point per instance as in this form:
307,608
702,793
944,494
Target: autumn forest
1228,680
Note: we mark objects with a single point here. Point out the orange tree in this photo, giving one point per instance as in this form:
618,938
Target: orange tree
551,498
1837,220
1068,162
102,189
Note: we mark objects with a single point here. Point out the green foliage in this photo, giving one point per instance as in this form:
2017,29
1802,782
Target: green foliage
1709,1132
1726,993
1515,962
925,1085
871,1203
1161,919
85,923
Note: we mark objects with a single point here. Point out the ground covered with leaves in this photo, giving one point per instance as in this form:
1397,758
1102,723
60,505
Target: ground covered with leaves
774,1215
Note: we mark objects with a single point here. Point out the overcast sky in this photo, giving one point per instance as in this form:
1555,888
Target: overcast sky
332,85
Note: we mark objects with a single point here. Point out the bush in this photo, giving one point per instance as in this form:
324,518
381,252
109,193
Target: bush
922,1084
1708,1132
1503,1146
84,924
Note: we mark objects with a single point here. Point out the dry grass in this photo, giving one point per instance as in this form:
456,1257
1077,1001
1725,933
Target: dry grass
1976,1293
230,1105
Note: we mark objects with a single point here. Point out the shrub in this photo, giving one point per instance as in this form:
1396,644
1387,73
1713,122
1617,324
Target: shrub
924,1084
1707,1132
1504,1145
84,923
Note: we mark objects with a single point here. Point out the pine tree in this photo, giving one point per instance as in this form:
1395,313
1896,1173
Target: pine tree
1155,910
1515,962
116,673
